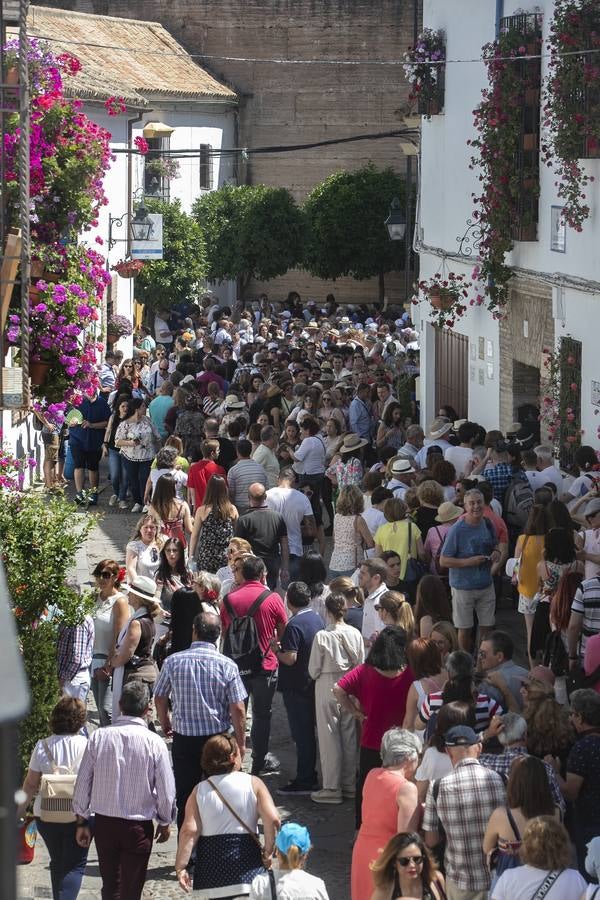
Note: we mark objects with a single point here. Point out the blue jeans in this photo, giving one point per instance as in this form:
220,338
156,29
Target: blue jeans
67,858
300,709
118,473
137,474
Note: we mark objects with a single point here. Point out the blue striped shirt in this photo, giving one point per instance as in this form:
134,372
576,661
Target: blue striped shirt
201,683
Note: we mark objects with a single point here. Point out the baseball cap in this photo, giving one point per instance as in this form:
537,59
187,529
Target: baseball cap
461,736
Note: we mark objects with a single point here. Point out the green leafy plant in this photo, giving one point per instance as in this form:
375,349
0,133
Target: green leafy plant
572,103
176,277
347,235
251,231
39,537
447,295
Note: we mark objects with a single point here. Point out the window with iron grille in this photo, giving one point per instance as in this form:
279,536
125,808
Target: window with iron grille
156,184
206,170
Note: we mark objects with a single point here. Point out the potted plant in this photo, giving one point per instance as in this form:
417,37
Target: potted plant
118,327
128,268
447,295
424,70
162,167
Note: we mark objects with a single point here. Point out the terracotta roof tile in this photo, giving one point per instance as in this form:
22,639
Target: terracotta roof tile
138,77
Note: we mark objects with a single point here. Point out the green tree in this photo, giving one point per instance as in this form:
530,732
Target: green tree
250,231
177,276
347,235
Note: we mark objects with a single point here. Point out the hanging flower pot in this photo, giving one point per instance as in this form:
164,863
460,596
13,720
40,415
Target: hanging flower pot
38,372
442,299
12,77
128,268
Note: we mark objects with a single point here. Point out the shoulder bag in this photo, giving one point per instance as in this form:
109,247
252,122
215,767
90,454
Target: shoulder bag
415,569
56,791
546,884
252,834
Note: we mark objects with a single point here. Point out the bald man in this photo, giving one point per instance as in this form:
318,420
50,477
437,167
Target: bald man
266,532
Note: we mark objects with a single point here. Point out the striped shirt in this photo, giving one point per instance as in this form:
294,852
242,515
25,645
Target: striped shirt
126,773
240,477
202,683
587,604
485,708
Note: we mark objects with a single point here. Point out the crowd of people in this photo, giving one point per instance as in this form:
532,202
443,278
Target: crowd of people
301,531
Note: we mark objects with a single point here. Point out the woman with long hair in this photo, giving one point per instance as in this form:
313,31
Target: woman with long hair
425,661
173,573
138,440
432,605
174,515
406,868
390,432
393,608
549,730
528,795
329,409
431,497
529,550
110,615
460,686
435,762
560,555
116,460
313,572
351,535
213,526
445,636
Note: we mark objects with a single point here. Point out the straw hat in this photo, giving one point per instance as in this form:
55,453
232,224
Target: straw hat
438,428
401,466
352,442
458,423
232,401
448,512
145,588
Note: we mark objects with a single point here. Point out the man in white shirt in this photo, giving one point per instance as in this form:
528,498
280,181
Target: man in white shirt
415,437
265,455
374,516
371,579
463,454
295,508
402,478
547,471
438,430
162,333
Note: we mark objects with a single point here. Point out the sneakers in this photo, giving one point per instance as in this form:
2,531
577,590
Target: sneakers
113,500
93,501
79,498
270,766
123,504
325,795
293,789
137,507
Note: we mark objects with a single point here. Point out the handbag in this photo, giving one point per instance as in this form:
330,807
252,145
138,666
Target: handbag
56,791
415,569
546,884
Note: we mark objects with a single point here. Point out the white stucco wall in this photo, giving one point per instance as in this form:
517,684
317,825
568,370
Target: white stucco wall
446,187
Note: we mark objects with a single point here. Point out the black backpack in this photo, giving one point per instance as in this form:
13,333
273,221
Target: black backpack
241,638
518,502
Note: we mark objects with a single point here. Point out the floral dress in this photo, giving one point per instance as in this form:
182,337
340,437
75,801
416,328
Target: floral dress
211,552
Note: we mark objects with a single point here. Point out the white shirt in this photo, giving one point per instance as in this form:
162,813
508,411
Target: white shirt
371,621
434,765
398,488
310,456
159,326
178,476
421,457
267,459
295,884
66,750
523,882
459,457
293,505
539,479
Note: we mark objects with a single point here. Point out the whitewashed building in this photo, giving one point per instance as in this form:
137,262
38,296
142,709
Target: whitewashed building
490,370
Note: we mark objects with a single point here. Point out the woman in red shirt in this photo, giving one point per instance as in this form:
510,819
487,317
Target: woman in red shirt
375,693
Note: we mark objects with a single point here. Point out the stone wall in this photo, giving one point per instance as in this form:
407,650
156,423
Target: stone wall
531,303
298,103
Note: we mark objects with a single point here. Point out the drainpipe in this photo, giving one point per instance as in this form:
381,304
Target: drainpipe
499,16
130,123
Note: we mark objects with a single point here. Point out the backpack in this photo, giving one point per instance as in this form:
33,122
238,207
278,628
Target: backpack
556,657
56,791
442,571
241,638
518,501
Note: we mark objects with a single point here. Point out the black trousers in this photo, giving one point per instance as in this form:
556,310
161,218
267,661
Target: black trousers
368,759
186,752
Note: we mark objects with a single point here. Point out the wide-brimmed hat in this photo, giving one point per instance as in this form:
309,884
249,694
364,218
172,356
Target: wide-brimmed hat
313,325
345,321
456,425
514,428
438,428
447,512
401,466
142,586
232,401
352,442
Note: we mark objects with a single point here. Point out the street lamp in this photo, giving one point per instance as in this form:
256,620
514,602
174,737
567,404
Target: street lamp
396,221
141,224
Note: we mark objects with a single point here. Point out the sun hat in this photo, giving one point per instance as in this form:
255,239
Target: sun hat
352,442
514,428
313,325
232,401
401,466
447,512
592,507
142,586
540,673
293,835
456,425
461,736
439,427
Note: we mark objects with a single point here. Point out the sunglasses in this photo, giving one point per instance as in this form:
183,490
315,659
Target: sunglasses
128,365
106,575
406,860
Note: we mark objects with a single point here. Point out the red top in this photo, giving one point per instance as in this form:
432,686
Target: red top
199,475
383,700
269,615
